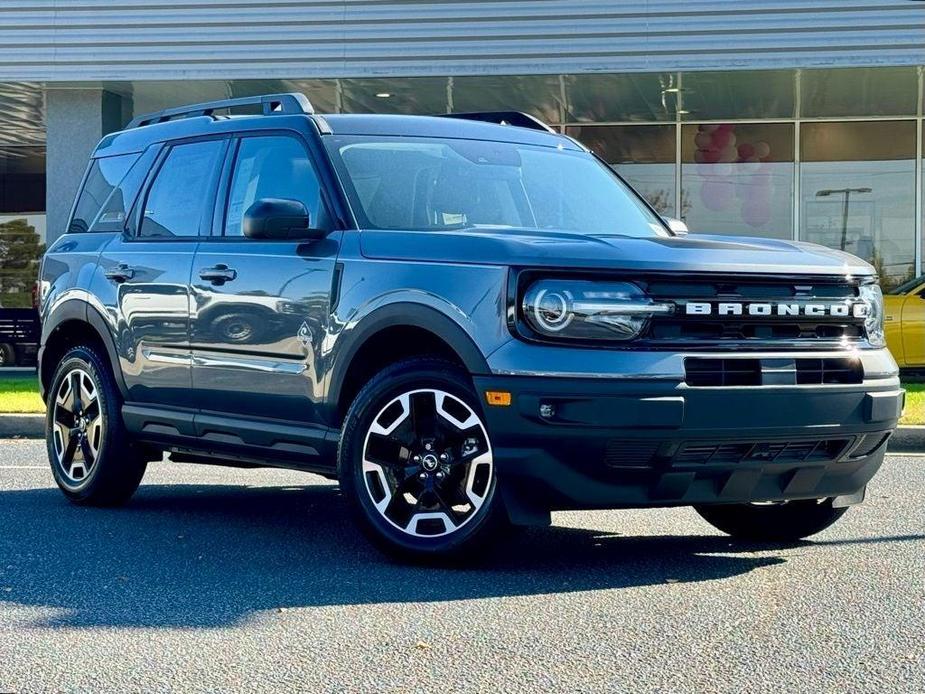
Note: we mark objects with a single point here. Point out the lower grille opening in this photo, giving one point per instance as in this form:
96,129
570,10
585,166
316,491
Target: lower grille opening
630,452
868,444
814,450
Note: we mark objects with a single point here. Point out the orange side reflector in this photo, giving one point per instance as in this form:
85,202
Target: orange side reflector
498,398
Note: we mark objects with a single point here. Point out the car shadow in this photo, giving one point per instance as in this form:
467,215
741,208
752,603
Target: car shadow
211,556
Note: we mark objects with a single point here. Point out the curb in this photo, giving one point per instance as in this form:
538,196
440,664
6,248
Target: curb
22,426
907,439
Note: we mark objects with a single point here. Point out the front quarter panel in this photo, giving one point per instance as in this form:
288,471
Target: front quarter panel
464,304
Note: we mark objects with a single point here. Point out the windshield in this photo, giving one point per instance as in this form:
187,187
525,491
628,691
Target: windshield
428,184
908,285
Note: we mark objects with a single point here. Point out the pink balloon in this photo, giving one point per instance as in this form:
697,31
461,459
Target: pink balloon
729,153
746,151
726,127
756,213
706,156
717,195
703,140
723,138
762,149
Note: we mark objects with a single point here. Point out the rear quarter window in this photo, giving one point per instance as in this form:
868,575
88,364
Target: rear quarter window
109,190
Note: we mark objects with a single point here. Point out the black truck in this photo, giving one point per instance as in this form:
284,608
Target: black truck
19,336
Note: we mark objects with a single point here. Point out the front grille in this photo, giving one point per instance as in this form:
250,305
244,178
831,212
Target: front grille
704,372
694,331
704,453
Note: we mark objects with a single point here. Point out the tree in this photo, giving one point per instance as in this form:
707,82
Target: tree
21,250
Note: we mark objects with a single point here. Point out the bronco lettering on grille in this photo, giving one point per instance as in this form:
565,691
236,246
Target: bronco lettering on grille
813,309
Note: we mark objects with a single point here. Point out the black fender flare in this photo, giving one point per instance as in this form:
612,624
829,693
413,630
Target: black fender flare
79,310
408,314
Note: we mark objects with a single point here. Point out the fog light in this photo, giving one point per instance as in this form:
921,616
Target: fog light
547,411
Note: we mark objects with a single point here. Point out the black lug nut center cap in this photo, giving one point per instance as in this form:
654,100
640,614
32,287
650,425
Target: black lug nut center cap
430,462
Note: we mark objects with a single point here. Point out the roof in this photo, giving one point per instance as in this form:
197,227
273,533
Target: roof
137,139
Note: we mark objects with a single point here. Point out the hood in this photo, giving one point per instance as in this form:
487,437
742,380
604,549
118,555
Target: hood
692,253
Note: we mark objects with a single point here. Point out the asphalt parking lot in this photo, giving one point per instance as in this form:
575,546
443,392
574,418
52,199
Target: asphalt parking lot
218,579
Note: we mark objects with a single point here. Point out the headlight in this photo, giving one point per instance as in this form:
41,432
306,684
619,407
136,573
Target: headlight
586,310
873,321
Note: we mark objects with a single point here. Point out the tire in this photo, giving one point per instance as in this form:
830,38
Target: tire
7,355
411,500
785,522
92,459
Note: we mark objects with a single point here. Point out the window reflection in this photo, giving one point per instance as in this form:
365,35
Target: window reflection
643,154
22,222
737,178
881,91
857,192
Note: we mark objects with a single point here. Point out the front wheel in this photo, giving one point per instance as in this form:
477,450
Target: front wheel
416,462
786,521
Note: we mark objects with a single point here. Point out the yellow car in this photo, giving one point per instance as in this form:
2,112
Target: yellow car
904,322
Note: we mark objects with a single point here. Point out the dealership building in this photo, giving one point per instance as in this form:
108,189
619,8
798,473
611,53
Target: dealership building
795,119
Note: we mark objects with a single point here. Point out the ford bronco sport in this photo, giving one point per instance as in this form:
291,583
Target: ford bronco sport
468,320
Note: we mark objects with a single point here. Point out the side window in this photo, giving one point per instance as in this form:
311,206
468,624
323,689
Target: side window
177,198
273,167
102,182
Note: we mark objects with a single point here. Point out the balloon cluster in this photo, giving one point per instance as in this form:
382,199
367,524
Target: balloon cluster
732,170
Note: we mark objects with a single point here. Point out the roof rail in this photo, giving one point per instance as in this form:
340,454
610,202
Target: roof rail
270,103
515,118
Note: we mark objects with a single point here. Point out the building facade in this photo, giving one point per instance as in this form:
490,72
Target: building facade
785,118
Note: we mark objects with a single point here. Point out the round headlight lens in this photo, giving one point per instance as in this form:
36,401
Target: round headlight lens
552,310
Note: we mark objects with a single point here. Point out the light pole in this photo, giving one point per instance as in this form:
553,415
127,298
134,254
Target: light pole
847,193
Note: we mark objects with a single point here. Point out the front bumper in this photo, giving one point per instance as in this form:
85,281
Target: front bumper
635,442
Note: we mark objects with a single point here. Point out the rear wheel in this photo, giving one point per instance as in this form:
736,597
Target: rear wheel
416,462
786,521
92,459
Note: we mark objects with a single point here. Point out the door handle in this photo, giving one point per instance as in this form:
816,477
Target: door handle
120,273
218,274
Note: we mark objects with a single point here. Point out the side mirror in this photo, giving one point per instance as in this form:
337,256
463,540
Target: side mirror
677,226
278,219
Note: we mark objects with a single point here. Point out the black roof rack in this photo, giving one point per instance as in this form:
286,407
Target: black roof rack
270,103
515,118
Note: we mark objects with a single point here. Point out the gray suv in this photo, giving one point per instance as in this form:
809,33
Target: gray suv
468,320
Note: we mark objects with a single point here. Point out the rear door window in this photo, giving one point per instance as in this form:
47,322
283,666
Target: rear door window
179,197
110,188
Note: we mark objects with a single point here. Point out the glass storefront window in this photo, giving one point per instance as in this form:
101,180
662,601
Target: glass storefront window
881,91
643,154
737,178
857,192
741,94
22,222
538,95
639,97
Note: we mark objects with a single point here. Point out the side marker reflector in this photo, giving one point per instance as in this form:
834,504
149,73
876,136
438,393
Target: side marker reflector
498,398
